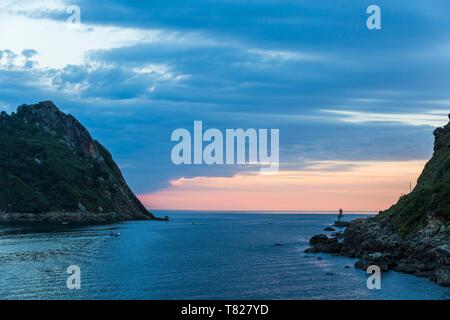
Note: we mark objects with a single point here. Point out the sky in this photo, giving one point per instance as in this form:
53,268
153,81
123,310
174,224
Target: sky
355,107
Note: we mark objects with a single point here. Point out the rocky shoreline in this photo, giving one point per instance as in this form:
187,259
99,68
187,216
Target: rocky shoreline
412,236
70,218
426,254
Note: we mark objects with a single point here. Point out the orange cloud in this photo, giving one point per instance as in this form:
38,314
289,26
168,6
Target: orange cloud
364,186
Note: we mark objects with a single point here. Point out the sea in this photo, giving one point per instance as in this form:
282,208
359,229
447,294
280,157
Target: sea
196,255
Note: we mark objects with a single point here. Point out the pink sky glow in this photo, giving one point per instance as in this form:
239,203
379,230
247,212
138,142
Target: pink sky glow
366,186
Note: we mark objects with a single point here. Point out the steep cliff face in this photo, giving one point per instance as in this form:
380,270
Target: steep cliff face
52,170
413,235
426,209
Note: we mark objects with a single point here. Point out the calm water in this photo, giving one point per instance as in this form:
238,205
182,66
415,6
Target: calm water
195,256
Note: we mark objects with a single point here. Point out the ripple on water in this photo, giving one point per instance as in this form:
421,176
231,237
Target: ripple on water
220,256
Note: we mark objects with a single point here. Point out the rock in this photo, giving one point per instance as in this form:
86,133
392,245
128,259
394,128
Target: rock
413,235
318,239
405,267
338,235
322,243
81,207
374,259
362,264
442,276
422,274
329,229
341,224
442,254
375,256
66,172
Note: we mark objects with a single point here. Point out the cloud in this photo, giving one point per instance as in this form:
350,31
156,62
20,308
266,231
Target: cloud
33,8
10,60
436,118
135,72
372,186
58,44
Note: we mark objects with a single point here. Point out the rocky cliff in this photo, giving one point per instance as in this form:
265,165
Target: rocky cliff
53,171
413,235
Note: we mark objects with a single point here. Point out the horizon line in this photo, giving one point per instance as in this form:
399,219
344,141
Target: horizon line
268,211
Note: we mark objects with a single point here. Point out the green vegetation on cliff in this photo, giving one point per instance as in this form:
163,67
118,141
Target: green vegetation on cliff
430,199
49,163
412,236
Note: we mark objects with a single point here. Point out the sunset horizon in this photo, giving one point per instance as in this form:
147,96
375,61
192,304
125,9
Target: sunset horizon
244,192
225,155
